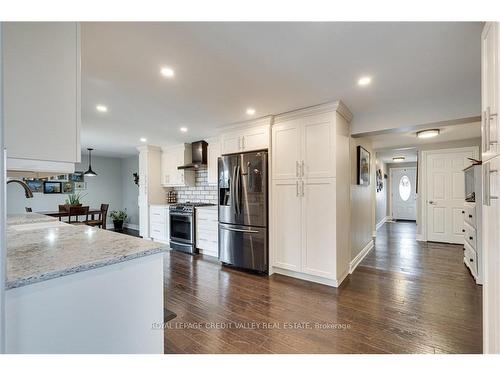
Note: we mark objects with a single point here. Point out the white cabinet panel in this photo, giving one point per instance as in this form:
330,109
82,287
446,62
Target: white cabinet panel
41,72
214,152
318,255
255,138
173,157
490,86
286,150
231,143
287,224
318,147
491,256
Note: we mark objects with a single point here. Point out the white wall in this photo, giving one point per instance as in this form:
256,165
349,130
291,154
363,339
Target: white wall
362,201
130,189
111,185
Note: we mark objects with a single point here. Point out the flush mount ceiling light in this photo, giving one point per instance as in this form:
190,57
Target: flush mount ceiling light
429,133
101,108
90,172
167,72
143,139
183,129
364,81
398,159
250,111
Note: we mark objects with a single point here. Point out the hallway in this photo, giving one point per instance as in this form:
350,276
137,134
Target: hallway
405,297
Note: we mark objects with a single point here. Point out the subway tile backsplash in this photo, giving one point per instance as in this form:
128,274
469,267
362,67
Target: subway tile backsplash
201,192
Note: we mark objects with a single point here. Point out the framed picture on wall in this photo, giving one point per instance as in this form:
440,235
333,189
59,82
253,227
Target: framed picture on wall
35,185
76,177
363,167
52,187
80,185
68,187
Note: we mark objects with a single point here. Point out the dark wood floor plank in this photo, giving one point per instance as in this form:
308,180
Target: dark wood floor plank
405,297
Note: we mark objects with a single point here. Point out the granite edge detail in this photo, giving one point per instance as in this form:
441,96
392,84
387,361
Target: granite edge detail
81,268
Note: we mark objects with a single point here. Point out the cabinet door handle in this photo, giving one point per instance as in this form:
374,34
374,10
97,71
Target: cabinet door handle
487,129
490,117
296,188
302,187
297,169
472,260
463,231
470,216
487,197
470,238
302,168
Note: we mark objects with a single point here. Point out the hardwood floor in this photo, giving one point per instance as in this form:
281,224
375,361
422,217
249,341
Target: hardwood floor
405,297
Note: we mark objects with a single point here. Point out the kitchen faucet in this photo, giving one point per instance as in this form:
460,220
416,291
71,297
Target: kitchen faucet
27,190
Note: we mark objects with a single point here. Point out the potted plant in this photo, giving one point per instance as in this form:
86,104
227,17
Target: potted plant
118,218
73,199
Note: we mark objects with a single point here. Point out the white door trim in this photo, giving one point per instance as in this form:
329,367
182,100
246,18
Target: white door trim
422,172
390,186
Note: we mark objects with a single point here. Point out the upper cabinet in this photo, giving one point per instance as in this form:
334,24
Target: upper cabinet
490,131
41,88
305,144
249,136
171,158
214,152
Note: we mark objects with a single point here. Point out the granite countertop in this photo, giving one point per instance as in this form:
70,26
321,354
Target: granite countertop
43,251
212,207
28,218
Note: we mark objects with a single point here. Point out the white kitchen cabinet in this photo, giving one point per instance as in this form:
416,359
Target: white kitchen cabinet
207,230
159,223
41,87
214,151
173,157
310,205
490,89
304,147
150,189
491,256
287,224
249,136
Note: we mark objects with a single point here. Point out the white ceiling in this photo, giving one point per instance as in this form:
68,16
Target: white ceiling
422,73
386,156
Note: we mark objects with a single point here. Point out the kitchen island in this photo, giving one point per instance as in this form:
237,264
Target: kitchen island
79,289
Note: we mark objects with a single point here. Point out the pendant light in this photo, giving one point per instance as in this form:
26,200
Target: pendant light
90,172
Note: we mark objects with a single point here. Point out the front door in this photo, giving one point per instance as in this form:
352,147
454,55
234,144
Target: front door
446,194
403,190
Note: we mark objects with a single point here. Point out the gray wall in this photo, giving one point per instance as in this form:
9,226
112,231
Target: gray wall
111,185
381,196
362,201
130,189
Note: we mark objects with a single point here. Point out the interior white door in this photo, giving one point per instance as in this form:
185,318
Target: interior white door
446,194
403,193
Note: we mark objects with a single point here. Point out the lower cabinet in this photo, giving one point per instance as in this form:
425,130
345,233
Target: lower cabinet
207,230
304,228
159,224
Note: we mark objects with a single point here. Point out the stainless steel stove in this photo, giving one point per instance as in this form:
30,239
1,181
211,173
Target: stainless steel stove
183,226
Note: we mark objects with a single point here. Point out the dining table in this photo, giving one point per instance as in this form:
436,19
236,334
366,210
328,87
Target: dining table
61,214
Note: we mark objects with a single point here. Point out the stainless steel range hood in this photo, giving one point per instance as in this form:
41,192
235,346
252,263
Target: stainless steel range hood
198,156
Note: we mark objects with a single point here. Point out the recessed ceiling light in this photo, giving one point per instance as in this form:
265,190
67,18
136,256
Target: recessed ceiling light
428,133
167,72
398,159
101,108
143,139
250,111
183,129
364,81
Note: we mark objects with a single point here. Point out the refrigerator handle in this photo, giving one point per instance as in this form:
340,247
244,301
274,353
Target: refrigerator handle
232,191
238,189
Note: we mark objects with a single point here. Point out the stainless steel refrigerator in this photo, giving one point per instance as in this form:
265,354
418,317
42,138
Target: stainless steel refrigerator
243,210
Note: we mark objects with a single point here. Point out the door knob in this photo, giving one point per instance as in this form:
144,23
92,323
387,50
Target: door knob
432,202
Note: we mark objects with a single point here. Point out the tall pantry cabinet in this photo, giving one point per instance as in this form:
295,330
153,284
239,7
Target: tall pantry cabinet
491,186
310,182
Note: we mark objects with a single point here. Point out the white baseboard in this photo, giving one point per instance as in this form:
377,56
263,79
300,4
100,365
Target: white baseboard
315,279
419,237
381,222
357,260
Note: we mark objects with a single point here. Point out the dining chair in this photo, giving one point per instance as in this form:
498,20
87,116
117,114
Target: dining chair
28,209
101,221
77,211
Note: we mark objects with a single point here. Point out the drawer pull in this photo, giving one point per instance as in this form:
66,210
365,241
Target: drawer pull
463,230
470,238
463,212
470,216
472,260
